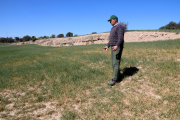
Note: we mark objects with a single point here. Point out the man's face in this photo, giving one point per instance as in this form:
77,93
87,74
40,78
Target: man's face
113,21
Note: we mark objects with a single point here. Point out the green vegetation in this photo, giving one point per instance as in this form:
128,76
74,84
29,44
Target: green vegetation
53,36
171,25
60,36
160,30
40,82
69,34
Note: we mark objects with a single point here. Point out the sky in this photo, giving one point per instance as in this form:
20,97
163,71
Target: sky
46,17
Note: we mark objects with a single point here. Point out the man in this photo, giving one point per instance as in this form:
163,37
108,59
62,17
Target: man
116,42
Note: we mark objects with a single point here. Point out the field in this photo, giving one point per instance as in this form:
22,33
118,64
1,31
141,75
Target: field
67,83
161,30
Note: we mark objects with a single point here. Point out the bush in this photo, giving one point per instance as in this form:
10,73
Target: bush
3,40
75,35
178,25
6,40
10,40
21,39
69,34
34,38
53,36
16,38
26,38
94,32
171,25
125,25
60,36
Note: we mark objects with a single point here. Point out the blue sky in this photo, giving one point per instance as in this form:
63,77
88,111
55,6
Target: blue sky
46,17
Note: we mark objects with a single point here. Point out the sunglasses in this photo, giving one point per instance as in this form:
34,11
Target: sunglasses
111,20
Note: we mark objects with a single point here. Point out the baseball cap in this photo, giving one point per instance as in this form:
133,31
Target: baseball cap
113,17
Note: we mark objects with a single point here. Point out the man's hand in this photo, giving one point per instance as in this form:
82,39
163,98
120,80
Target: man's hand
105,49
115,48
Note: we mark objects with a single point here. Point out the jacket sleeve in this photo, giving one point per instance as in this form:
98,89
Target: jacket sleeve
120,33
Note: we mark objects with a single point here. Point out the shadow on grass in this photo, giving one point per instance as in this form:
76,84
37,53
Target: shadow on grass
128,71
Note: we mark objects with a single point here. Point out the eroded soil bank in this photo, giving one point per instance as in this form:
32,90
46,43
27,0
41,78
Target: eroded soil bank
103,38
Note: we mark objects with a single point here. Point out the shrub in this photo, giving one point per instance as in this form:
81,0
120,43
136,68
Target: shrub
26,38
53,36
21,39
10,40
3,40
45,37
6,40
60,35
94,32
75,35
16,38
125,25
69,34
34,38
171,25
178,25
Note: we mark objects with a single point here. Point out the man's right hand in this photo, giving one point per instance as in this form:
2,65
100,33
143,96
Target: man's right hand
105,49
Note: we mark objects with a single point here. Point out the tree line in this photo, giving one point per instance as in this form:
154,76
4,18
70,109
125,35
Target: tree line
33,38
171,25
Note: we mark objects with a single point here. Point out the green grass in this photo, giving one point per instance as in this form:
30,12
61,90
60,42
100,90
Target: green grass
163,30
72,82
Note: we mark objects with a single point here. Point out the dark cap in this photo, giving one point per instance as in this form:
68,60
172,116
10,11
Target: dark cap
113,17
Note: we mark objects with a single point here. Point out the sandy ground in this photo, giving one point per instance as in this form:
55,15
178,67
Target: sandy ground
103,38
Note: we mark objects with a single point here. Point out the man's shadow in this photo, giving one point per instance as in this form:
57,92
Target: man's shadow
126,72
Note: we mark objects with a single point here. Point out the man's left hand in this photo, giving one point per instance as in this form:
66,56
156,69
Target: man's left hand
115,48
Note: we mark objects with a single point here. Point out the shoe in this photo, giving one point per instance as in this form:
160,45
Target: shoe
112,82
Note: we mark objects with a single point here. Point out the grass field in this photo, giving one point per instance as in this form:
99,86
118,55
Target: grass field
67,83
162,30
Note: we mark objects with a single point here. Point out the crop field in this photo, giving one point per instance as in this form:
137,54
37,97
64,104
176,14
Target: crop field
67,83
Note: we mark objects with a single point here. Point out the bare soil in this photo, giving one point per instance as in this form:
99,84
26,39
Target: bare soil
103,38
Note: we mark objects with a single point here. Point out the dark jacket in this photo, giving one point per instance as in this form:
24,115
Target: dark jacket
116,37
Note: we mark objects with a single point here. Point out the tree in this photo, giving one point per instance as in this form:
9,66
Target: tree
21,39
69,34
26,38
10,40
163,27
53,36
75,35
171,25
3,40
45,37
94,32
6,40
178,25
16,38
34,38
60,35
